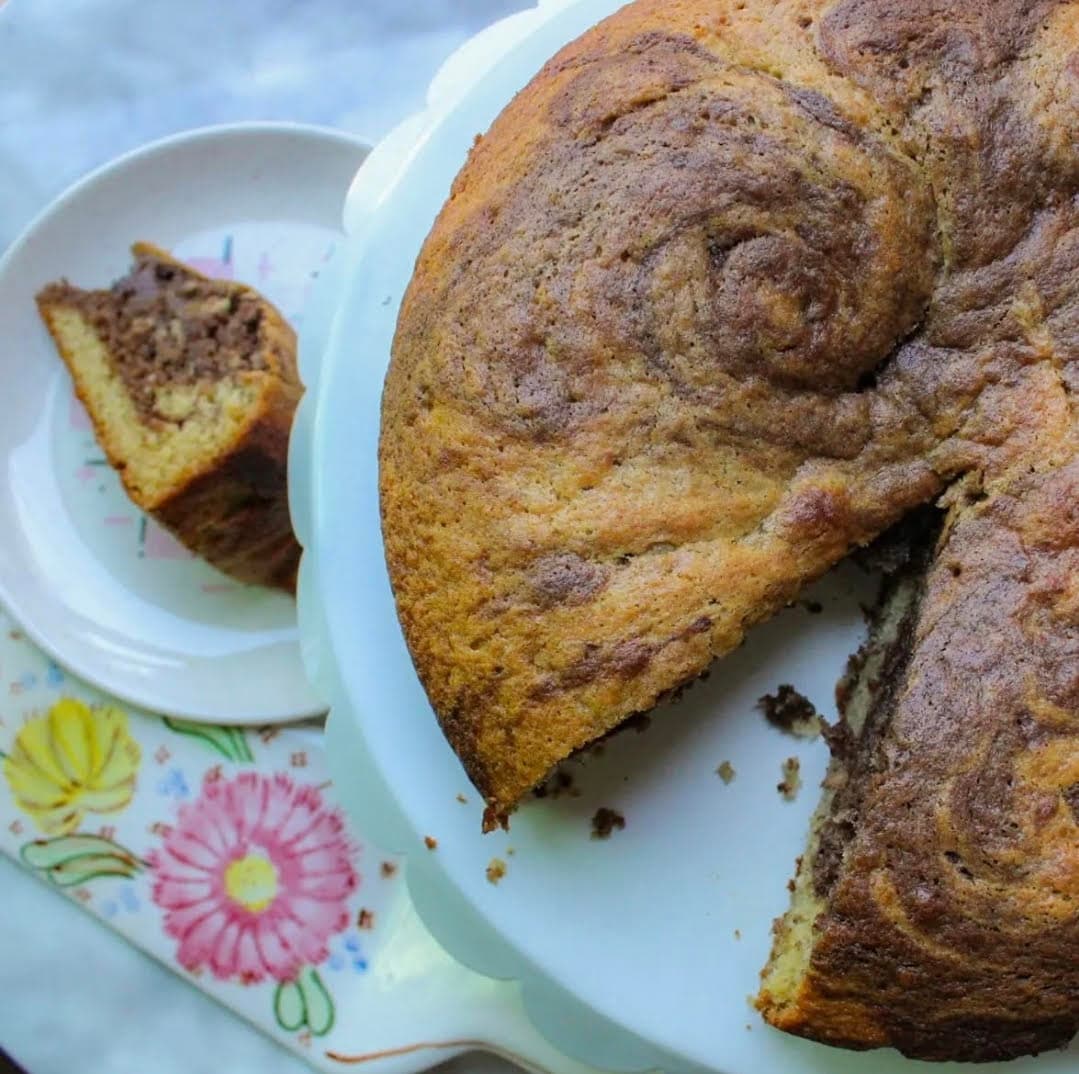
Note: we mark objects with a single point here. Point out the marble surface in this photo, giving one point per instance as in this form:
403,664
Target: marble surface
84,80
80,82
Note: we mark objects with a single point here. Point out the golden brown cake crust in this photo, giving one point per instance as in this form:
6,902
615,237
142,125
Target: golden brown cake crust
726,291
231,510
722,294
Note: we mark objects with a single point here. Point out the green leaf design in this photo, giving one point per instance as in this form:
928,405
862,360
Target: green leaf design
304,1002
70,860
78,871
317,1001
288,1007
47,853
230,742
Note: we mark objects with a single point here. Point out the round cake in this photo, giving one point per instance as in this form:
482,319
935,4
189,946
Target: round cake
728,290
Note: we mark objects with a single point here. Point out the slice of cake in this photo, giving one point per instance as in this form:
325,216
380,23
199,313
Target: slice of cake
726,291
935,907
191,385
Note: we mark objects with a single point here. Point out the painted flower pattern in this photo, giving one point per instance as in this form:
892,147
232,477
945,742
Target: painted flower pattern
72,760
254,878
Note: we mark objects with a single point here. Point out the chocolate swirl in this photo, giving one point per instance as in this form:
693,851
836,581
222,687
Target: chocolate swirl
955,906
715,232
726,291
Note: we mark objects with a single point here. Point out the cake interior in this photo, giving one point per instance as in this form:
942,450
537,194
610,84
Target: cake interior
867,696
166,362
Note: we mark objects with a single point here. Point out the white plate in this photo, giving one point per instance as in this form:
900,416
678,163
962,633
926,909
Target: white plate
98,585
637,952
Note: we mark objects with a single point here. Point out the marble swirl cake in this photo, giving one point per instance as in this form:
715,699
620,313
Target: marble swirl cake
728,290
191,385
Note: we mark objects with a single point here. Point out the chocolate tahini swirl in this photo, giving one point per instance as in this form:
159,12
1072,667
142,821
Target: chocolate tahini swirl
724,293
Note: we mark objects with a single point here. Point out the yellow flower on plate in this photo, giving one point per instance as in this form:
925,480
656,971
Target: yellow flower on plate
72,760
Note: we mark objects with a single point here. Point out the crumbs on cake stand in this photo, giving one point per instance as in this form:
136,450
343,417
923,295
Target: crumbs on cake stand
605,821
430,842
792,712
496,870
726,772
791,783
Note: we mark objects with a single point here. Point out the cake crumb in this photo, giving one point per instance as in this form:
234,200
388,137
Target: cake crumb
387,869
462,799
496,870
430,842
790,711
366,919
510,852
605,821
792,780
737,934
726,772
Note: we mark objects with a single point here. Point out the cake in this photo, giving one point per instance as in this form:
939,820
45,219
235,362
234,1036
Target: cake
191,386
936,908
722,294
727,291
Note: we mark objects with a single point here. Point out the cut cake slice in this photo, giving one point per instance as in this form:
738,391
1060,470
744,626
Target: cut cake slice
191,386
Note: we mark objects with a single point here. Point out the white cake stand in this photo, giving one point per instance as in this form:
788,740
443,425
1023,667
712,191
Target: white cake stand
638,952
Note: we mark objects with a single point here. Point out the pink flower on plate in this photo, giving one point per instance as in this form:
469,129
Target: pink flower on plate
254,878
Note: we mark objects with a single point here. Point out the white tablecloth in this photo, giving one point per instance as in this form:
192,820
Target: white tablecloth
80,82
